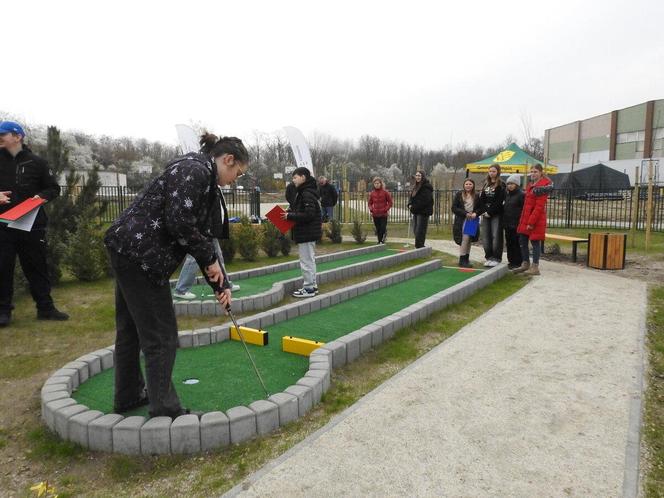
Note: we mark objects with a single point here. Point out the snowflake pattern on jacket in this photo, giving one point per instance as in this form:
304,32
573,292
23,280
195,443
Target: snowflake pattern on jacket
169,218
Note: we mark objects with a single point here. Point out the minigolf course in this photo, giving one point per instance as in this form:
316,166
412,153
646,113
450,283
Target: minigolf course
212,373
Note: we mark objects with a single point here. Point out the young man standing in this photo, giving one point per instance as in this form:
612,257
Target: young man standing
306,213
328,197
24,175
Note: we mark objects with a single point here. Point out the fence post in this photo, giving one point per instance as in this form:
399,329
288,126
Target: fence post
568,217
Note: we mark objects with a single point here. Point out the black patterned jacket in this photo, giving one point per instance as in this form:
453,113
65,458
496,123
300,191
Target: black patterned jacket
170,218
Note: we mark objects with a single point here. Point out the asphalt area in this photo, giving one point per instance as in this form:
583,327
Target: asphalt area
223,373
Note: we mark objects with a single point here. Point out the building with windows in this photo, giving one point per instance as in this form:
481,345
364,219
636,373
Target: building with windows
620,139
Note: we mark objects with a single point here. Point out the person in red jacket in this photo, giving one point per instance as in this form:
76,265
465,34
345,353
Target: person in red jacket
380,202
532,224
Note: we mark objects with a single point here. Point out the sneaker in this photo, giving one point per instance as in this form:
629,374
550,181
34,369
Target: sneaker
487,263
493,263
184,295
143,400
5,318
305,292
235,287
53,314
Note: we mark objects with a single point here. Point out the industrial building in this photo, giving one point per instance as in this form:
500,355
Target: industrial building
620,139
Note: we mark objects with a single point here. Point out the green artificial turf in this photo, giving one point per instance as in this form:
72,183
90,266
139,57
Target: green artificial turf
226,378
256,285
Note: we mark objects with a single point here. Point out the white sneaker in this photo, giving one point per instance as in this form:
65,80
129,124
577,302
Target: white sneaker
493,263
185,295
235,288
488,263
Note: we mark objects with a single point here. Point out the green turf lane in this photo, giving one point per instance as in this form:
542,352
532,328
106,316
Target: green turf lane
256,285
226,378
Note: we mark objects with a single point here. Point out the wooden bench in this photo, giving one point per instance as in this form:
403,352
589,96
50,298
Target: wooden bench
565,238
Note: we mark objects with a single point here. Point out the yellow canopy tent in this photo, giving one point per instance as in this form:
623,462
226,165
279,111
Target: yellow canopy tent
511,160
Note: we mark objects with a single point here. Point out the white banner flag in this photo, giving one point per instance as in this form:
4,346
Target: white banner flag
187,138
300,148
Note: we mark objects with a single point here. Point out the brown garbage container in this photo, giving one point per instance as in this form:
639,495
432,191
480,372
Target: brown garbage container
606,251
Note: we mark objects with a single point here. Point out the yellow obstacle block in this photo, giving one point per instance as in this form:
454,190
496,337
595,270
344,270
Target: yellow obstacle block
251,336
300,346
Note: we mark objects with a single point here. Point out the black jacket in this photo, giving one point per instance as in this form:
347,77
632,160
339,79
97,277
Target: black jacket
171,217
459,210
422,202
491,200
306,213
27,175
328,195
512,208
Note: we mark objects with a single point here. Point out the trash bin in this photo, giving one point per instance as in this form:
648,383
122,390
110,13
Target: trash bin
606,251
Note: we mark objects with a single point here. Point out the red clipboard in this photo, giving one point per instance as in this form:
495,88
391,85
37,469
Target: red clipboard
274,215
21,209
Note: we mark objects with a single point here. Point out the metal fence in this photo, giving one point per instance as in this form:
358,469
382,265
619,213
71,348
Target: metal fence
117,199
566,208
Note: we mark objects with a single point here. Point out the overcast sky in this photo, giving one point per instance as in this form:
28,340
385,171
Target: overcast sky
433,73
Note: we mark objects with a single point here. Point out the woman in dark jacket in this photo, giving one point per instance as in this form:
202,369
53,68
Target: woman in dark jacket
305,212
172,217
492,197
420,204
511,215
465,207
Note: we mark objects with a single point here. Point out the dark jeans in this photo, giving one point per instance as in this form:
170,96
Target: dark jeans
31,250
536,245
420,223
492,238
145,321
380,222
513,250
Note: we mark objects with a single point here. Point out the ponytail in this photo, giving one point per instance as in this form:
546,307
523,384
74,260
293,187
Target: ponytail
215,147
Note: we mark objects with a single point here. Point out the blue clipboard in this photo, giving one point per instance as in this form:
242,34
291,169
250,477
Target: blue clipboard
470,227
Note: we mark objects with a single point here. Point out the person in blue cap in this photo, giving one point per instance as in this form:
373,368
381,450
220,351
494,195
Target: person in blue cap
24,175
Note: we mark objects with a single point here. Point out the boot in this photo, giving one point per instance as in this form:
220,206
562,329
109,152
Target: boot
534,270
524,266
464,261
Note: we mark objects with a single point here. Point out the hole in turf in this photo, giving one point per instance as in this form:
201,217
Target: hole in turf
190,382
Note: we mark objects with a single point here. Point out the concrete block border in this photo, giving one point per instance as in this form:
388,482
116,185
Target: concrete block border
187,434
281,289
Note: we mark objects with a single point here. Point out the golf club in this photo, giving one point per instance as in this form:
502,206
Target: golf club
239,332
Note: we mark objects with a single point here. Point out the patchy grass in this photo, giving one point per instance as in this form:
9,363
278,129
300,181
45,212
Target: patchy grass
653,423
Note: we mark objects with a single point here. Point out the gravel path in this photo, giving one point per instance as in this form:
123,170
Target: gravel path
540,396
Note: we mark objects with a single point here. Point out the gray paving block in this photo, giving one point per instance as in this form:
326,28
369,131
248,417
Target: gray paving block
201,337
338,350
186,434
394,323
314,305
78,426
324,301
365,340
156,436
127,436
61,418
352,347
100,432
292,311
208,307
105,357
180,308
376,333
323,353
94,363
406,319
242,422
215,431
220,333
287,405
68,372
267,319
334,298
352,292
280,315
316,385
52,388
49,409
304,396
82,369
324,375
267,416
186,338
194,308
54,396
